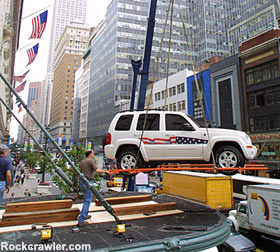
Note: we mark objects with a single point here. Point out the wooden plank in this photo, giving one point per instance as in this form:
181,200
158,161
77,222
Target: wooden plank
38,206
127,199
146,209
13,219
97,217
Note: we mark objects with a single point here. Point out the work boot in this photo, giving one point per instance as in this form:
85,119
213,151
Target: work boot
88,217
82,224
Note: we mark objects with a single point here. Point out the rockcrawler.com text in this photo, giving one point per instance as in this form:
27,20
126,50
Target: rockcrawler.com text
53,246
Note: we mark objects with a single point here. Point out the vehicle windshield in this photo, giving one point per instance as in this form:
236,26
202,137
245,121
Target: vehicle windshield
118,180
198,123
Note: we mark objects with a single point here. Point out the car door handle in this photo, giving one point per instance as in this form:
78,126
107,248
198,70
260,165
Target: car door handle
170,134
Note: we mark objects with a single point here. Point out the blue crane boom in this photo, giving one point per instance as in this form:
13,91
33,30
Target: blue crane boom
147,55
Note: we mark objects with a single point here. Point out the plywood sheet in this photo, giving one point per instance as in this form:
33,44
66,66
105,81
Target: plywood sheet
100,217
94,208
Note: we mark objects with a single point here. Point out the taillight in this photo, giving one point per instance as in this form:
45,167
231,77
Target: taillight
108,138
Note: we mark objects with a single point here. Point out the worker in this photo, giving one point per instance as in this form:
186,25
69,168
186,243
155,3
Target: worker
5,171
89,169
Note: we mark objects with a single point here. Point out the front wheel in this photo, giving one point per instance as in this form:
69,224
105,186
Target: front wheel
229,157
127,160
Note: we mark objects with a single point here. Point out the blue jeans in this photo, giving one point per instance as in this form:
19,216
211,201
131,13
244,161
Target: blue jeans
87,201
2,190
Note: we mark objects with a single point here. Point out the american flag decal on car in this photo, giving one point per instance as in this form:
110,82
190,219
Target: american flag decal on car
173,140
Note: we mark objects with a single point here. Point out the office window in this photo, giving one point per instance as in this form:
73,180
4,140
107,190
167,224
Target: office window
262,72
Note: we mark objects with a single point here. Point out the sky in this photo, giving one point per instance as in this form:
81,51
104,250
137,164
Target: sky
96,10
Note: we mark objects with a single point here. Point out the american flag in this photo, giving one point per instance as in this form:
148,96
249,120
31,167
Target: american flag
174,140
20,78
38,25
32,53
19,107
20,87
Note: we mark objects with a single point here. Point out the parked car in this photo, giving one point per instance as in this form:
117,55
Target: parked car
236,242
171,136
115,182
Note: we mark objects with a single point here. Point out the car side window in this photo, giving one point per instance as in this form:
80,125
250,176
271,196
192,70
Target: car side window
124,123
175,122
152,122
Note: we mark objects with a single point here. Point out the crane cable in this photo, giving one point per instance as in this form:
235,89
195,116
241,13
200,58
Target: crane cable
197,87
154,79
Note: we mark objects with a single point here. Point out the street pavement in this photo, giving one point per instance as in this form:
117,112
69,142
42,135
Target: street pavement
29,188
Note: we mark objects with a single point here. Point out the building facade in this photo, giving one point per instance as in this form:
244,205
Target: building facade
260,69
251,17
10,17
176,97
33,103
77,105
64,12
227,98
69,51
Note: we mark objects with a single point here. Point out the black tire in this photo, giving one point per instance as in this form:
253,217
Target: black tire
229,156
127,160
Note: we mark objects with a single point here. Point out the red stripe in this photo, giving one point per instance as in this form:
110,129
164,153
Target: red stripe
162,139
146,138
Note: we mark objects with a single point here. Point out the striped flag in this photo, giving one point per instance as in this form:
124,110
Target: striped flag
20,78
32,53
19,107
20,87
174,140
38,25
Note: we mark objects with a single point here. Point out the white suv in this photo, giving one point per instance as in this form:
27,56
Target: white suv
172,137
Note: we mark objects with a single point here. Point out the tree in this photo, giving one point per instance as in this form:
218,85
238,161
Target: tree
31,158
76,154
45,166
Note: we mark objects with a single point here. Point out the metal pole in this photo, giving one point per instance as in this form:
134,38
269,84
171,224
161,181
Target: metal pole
57,169
105,204
135,66
147,55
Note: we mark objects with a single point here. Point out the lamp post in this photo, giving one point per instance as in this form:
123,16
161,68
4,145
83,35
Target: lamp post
46,148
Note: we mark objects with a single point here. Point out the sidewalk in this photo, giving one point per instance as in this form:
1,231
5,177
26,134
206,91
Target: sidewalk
29,188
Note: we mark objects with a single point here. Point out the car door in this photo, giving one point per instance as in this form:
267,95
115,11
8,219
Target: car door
185,141
151,135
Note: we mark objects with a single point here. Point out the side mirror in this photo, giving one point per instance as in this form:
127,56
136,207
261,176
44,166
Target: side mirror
188,127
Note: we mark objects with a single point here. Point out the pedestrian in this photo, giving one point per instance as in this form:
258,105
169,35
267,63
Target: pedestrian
17,179
89,169
5,171
22,176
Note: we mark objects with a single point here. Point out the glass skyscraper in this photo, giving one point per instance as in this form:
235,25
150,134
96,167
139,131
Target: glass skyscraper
250,18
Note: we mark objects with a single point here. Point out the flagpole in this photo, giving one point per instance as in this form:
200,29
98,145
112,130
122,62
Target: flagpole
35,41
31,14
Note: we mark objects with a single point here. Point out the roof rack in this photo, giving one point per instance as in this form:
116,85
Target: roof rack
141,110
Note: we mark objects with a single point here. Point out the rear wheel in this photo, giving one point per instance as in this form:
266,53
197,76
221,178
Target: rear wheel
229,157
127,160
